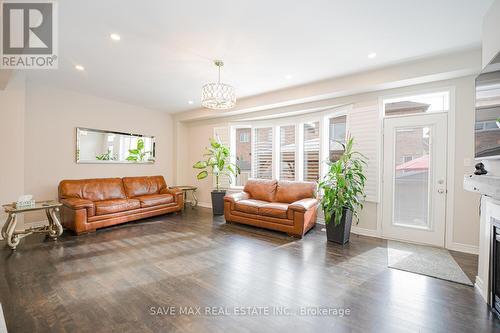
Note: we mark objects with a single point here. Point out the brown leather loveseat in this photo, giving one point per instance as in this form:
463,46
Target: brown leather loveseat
285,206
89,204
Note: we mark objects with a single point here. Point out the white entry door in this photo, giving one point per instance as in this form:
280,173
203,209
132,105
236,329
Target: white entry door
414,179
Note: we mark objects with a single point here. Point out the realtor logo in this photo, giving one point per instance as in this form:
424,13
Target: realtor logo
29,34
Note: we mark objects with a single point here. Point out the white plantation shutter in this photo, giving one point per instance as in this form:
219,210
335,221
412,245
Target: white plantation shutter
364,127
311,151
287,152
222,134
263,153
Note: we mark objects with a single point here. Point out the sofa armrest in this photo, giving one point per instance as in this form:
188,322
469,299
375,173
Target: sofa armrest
173,190
235,197
303,204
76,203
176,192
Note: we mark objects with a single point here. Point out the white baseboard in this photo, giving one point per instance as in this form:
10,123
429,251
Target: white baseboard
205,204
467,248
364,231
479,285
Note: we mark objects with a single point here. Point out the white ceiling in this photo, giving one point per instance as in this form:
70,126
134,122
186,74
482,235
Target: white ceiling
167,47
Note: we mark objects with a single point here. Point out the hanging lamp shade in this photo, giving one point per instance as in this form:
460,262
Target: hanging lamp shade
218,96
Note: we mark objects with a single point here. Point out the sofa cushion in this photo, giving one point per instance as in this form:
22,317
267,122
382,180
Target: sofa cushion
262,218
115,205
137,186
250,206
291,191
274,209
155,199
92,189
261,189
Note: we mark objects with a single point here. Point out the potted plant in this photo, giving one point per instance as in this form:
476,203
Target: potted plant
343,193
217,163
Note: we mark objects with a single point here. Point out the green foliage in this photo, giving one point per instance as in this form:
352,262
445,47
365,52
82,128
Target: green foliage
139,153
343,185
105,157
217,162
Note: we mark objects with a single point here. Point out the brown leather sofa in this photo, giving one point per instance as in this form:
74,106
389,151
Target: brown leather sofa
285,206
89,204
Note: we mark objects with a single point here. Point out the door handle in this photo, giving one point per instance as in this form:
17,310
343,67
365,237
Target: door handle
441,191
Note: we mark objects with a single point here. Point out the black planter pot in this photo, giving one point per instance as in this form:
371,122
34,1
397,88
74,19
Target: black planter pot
218,202
340,233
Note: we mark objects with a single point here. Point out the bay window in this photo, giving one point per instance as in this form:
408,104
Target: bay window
286,149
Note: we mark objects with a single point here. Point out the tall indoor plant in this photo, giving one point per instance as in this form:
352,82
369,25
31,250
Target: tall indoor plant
343,193
217,162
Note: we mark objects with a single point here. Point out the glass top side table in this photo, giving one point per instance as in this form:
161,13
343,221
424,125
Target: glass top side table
185,190
13,236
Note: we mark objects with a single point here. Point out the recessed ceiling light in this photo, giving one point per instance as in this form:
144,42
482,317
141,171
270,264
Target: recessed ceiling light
372,55
190,102
79,68
288,76
115,37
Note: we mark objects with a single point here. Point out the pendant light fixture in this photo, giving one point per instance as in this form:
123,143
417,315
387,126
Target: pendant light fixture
218,96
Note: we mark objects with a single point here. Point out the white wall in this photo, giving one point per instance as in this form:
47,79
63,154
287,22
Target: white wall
491,32
12,139
194,137
39,125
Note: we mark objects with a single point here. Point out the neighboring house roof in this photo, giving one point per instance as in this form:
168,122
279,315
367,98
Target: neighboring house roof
421,163
408,106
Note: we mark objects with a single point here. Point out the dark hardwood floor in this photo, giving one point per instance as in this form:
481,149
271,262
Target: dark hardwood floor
125,278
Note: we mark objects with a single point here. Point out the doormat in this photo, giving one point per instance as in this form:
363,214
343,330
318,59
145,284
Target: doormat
425,260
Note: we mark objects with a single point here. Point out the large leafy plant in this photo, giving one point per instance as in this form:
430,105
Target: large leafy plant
139,153
217,162
343,185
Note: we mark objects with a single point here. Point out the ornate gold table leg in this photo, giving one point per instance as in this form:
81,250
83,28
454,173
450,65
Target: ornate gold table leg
12,238
55,227
4,227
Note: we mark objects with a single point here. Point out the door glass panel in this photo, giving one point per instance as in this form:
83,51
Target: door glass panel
411,177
